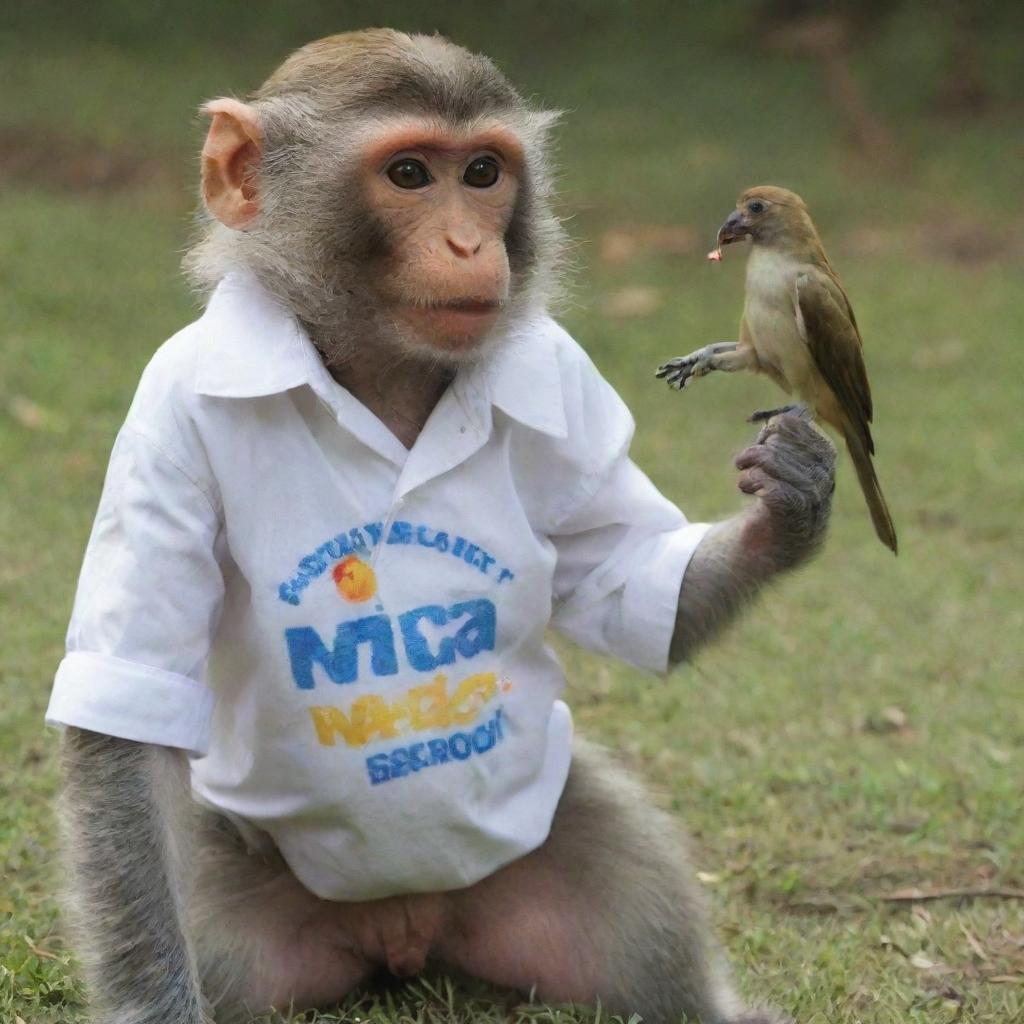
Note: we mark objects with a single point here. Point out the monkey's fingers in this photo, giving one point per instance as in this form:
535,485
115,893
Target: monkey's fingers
751,456
755,481
792,450
798,420
801,468
763,415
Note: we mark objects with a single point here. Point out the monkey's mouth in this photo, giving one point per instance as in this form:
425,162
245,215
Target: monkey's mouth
478,306
453,320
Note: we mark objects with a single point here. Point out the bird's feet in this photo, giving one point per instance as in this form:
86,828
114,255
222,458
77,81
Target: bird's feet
680,371
763,415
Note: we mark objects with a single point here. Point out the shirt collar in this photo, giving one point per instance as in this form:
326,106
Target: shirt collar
255,347
252,345
522,377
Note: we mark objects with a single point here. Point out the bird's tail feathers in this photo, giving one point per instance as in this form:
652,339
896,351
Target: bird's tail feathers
869,484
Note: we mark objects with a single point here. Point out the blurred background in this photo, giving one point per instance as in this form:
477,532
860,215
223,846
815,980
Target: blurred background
857,744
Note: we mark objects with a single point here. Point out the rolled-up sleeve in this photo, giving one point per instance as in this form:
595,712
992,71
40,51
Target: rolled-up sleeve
148,602
622,547
621,561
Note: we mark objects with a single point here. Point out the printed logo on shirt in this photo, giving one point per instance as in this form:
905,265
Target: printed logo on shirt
432,637
355,579
360,540
460,632
371,718
401,762
425,708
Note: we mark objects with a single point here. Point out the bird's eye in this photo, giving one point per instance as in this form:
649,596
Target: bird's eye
756,206
408,173
483,172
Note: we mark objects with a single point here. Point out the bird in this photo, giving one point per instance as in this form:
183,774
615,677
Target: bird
798,328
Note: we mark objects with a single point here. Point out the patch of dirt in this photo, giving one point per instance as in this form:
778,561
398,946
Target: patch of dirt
961,240
633,301
627,243
940,353
31,157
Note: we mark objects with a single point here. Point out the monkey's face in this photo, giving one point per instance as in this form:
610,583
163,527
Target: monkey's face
384,199
443,202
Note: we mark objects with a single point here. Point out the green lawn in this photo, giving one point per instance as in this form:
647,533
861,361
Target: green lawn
862,732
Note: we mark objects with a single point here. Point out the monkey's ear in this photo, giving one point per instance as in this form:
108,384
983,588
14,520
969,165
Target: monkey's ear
231,160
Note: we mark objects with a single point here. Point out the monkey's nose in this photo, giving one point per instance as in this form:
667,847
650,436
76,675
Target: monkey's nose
464,243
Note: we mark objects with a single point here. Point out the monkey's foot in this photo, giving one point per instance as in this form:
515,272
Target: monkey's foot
680,371
766,414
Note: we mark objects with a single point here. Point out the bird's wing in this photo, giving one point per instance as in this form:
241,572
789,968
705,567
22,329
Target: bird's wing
830,330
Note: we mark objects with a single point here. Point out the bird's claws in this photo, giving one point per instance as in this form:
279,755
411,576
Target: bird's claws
666,368
680,371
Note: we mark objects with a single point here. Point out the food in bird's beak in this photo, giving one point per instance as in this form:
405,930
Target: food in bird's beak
715,255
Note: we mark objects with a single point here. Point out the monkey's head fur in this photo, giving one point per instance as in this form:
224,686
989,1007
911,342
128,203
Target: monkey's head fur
770,217
317,242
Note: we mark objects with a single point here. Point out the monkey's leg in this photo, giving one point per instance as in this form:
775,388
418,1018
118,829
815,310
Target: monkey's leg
604,910
728,356
262,939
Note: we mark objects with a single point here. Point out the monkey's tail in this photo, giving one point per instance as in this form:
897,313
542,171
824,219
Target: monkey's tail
869,484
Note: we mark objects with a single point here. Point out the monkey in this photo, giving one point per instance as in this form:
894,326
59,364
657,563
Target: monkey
377,428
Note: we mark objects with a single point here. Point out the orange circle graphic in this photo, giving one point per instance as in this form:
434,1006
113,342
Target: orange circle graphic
354,579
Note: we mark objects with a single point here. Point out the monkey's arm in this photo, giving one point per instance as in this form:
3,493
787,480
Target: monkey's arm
148,601
790,469
125,809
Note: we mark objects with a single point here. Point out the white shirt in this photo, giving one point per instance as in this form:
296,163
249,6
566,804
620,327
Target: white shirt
348,636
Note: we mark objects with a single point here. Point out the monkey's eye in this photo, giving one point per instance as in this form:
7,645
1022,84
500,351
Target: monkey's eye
756,206
408,173
483,172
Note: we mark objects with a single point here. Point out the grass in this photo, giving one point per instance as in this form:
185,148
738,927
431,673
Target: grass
862,731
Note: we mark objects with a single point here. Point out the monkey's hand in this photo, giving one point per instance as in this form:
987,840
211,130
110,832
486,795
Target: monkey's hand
790,469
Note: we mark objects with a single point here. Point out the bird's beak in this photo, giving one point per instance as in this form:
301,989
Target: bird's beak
733,229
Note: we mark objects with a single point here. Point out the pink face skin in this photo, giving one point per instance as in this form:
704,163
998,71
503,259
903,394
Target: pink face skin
448,198
445,197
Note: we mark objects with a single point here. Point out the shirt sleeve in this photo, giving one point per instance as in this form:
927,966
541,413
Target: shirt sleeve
623,550
148,601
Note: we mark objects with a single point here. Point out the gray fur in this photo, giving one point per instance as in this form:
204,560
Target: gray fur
791,467
632,860
232,877
143,883
625,856
127,814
